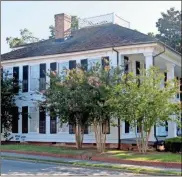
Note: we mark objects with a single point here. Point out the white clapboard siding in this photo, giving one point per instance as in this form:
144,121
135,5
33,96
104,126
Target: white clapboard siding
34,77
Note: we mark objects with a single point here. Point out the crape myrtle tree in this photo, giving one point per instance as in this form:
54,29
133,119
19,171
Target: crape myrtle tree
79,97
68,98
142,102
9,89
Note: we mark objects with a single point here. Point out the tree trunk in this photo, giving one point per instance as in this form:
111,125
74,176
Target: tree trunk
79,135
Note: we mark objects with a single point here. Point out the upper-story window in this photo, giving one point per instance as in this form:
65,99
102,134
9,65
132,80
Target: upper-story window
34,77
42,82
72,64
25,79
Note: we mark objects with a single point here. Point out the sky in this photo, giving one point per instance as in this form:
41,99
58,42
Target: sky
37,16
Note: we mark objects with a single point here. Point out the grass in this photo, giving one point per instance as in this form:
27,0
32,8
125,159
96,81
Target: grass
151,156
112,167
42,149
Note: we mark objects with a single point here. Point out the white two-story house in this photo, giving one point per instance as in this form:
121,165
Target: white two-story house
92,42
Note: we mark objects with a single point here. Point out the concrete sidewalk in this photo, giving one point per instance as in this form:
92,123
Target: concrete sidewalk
69,160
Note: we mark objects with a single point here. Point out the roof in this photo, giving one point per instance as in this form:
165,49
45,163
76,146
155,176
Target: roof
91,38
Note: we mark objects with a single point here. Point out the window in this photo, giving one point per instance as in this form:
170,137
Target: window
34,77
25,119
106,127
73,127
34,119
42,83
15,120
105,62
1,78
16,79
53,67
62,69
42,120
127,127
53,124
180,89
25,79
72,64
84,64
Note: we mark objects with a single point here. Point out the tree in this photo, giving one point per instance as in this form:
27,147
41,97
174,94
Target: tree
9,89
169,27
25,37
143,103
151,34
68,99
74,26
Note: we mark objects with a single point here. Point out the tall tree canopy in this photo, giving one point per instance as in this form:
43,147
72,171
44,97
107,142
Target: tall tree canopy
25,37
169,27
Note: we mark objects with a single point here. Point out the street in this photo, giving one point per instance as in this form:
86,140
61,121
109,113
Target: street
13,167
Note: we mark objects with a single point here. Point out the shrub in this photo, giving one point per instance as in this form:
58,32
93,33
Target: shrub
173,144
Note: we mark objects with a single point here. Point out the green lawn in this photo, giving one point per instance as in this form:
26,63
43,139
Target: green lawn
151,156
36,148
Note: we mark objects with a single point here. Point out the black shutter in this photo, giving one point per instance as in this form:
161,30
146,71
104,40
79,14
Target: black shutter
166,126
42,83
126,65
180,89
137,67
15,120
53,124
25,119
127,127
25,78
53,66
84,64
16,79
105,62
72,64
165,79
42,120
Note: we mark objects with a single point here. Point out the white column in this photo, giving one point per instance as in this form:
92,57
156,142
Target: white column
172,127
149,63
47,123
132,66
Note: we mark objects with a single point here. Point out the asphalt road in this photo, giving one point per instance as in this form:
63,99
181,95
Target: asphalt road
13,167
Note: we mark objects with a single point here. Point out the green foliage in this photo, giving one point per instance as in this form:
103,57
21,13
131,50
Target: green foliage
173,144
8,92
25,37
142,102
169,27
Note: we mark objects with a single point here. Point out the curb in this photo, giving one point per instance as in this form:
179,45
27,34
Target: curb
102,159
86,165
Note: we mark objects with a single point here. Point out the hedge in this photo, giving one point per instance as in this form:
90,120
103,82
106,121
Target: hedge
173,144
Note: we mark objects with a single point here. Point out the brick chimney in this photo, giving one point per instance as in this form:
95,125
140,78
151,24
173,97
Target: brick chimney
62,26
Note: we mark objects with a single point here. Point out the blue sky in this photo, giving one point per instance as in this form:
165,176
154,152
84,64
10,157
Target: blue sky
37,16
